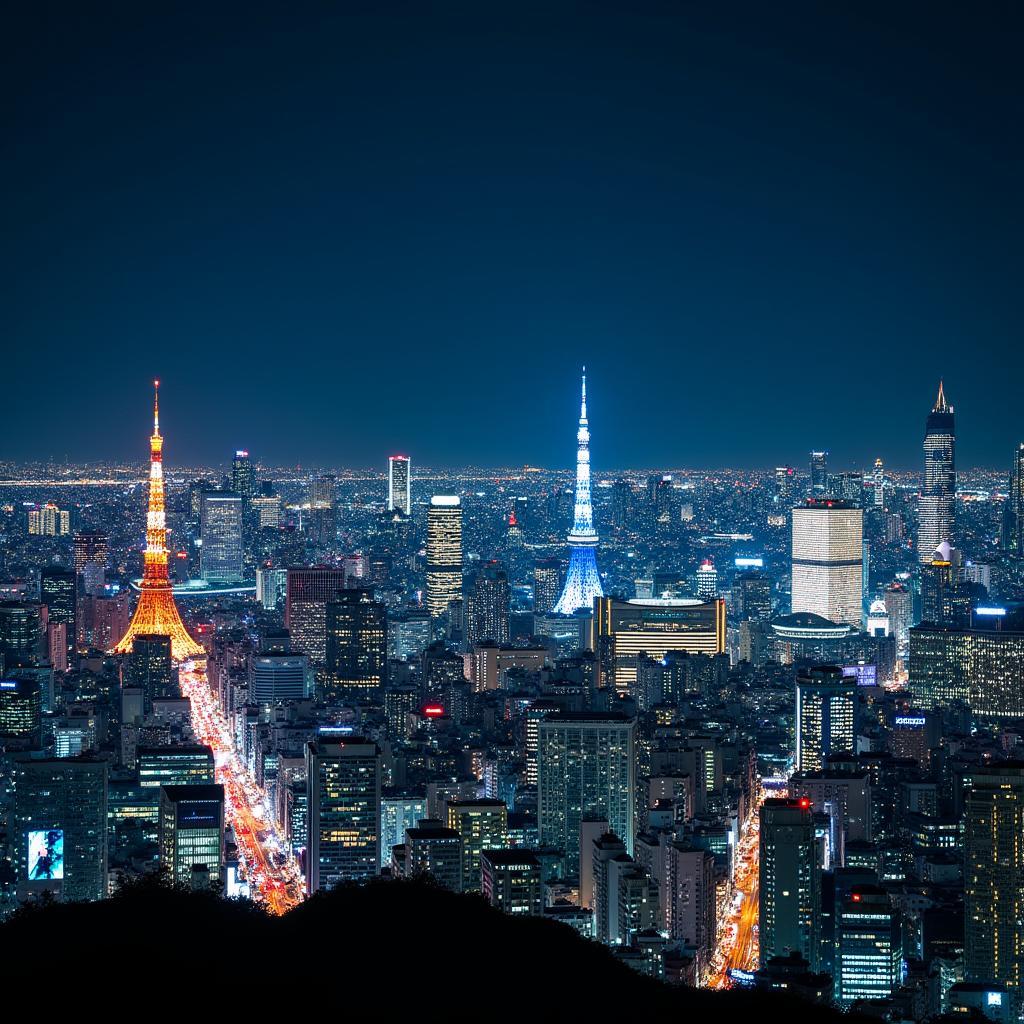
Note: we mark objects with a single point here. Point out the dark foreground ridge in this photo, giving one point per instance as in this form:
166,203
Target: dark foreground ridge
458,957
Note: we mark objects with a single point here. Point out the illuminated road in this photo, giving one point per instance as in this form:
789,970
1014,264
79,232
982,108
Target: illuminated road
737,947
272,873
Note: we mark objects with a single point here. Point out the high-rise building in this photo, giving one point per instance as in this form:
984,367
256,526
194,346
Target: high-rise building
182,765
58,827
58,591
624,630
869,947
20,632
785,478
707,580
397,813
488,605
826,716
431,849
277,678
357,643
582,581
400,484
156,611
899,606
104,620
149,668
20,714
819,481
752,596
936,506
547,584
879,484
243,475
90,560
220,557
1013,516
192,834
982,669
271,587
586,765
444,553
994,877
267,509
321,520
483,825
49,521
511,881
790,896
305,611
343,812
828,561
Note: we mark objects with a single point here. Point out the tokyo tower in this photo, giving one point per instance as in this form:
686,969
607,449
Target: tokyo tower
156,611
582,583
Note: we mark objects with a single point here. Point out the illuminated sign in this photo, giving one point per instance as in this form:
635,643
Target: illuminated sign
866,675
7,685
994,998
989,611
909,721
433,711
46,855
741,977
749,563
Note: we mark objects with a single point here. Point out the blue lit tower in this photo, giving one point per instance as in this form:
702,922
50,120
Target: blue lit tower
582,582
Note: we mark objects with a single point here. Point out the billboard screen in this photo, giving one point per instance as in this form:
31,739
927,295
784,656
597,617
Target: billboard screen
866,675
46,855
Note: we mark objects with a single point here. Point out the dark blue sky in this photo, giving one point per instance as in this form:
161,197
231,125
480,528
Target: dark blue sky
335,232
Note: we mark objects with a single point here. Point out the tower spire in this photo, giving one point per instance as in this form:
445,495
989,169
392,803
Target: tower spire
941,405
156,611
582,583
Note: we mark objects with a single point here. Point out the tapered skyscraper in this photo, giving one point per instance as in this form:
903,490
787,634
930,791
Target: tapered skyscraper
582,582
938,495
156,611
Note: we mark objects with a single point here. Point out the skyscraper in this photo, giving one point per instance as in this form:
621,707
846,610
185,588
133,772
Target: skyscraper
90,559
790,907
357,643
869,948
826,716
343,812
994,876
156,611
149,668
586,765
819,482
243,475
879,483
828,560
487,612
192,834
321,518
444,553
400,484
935,507
58,591
547,582
483,825
220,557
305,611
1013,517
582,581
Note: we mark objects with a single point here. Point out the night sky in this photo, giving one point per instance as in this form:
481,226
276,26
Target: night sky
338,231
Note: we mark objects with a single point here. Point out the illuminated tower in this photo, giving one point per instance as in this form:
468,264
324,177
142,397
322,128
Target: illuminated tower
936,505
582,582
156,611
399,480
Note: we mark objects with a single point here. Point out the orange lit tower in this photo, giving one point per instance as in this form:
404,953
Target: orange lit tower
156,611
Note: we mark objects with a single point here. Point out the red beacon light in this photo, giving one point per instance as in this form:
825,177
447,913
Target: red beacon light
805,803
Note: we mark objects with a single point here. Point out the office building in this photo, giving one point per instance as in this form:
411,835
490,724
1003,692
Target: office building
243,475
20,633
827,576
487,607
511,881
983,669
149,668
320,519
278,678
785,479
104,620
398,813
357,643
994,877
431,849
89,547
752,597
220,556
400,484
183,765
869,947
305,613
818,479
59,593
343,812
623,630
789,884
444,554
707,580
267,509
21,709
483,825
547,584
586,764
192,834
58,826
826,716
1013,514
271,587
937,503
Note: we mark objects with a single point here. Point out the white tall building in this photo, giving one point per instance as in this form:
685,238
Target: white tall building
400,484
828,560
444,553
